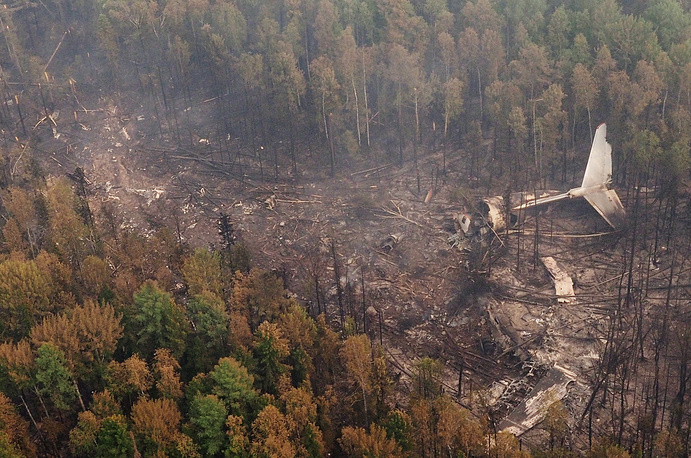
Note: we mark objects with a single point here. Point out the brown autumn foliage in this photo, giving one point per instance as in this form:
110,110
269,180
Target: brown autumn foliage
237,434
94,274
131,377
166,367
105,405
85,334
357,442
271,431
259,296
157,420
15,427
25,293
67,230
18,358
14,240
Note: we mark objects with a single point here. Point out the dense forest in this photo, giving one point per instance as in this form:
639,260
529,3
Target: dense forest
118,343
536,76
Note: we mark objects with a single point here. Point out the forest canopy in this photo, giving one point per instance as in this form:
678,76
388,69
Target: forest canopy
535,75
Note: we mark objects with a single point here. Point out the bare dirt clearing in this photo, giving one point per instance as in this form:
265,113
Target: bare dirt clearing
417,283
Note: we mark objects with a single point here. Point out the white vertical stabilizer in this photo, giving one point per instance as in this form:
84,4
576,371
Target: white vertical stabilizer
599,168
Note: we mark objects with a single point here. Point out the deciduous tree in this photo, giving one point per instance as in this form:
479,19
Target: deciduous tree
237,435
68,232
260,296
156,423
356,355
94,275
83,435
357,442
131,378
585,92
300,331
301,411
166,367
325,355
202,272
24,296
15,429
87,334
453,101
271,431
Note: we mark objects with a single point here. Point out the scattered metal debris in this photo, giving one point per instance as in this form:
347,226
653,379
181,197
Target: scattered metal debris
390,242
270,202
150,194
552,388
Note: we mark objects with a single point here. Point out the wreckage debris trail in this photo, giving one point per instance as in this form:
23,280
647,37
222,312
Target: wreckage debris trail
542,294
485,367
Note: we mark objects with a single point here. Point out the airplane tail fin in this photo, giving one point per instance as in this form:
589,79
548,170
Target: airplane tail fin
596,181
599,172
599,168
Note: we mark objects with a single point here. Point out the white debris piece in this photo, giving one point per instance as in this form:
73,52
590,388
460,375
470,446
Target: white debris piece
248,209
124,133
270,202
563,284
552,388
149,194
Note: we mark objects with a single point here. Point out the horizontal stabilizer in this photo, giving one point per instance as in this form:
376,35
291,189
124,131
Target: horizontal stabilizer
608,205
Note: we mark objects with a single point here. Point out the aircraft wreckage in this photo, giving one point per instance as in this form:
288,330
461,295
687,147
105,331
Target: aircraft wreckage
491,215
512,321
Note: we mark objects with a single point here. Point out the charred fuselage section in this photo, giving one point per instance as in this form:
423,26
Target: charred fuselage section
480,228
491,215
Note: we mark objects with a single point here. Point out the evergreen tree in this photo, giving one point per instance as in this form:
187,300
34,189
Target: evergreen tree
157,321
